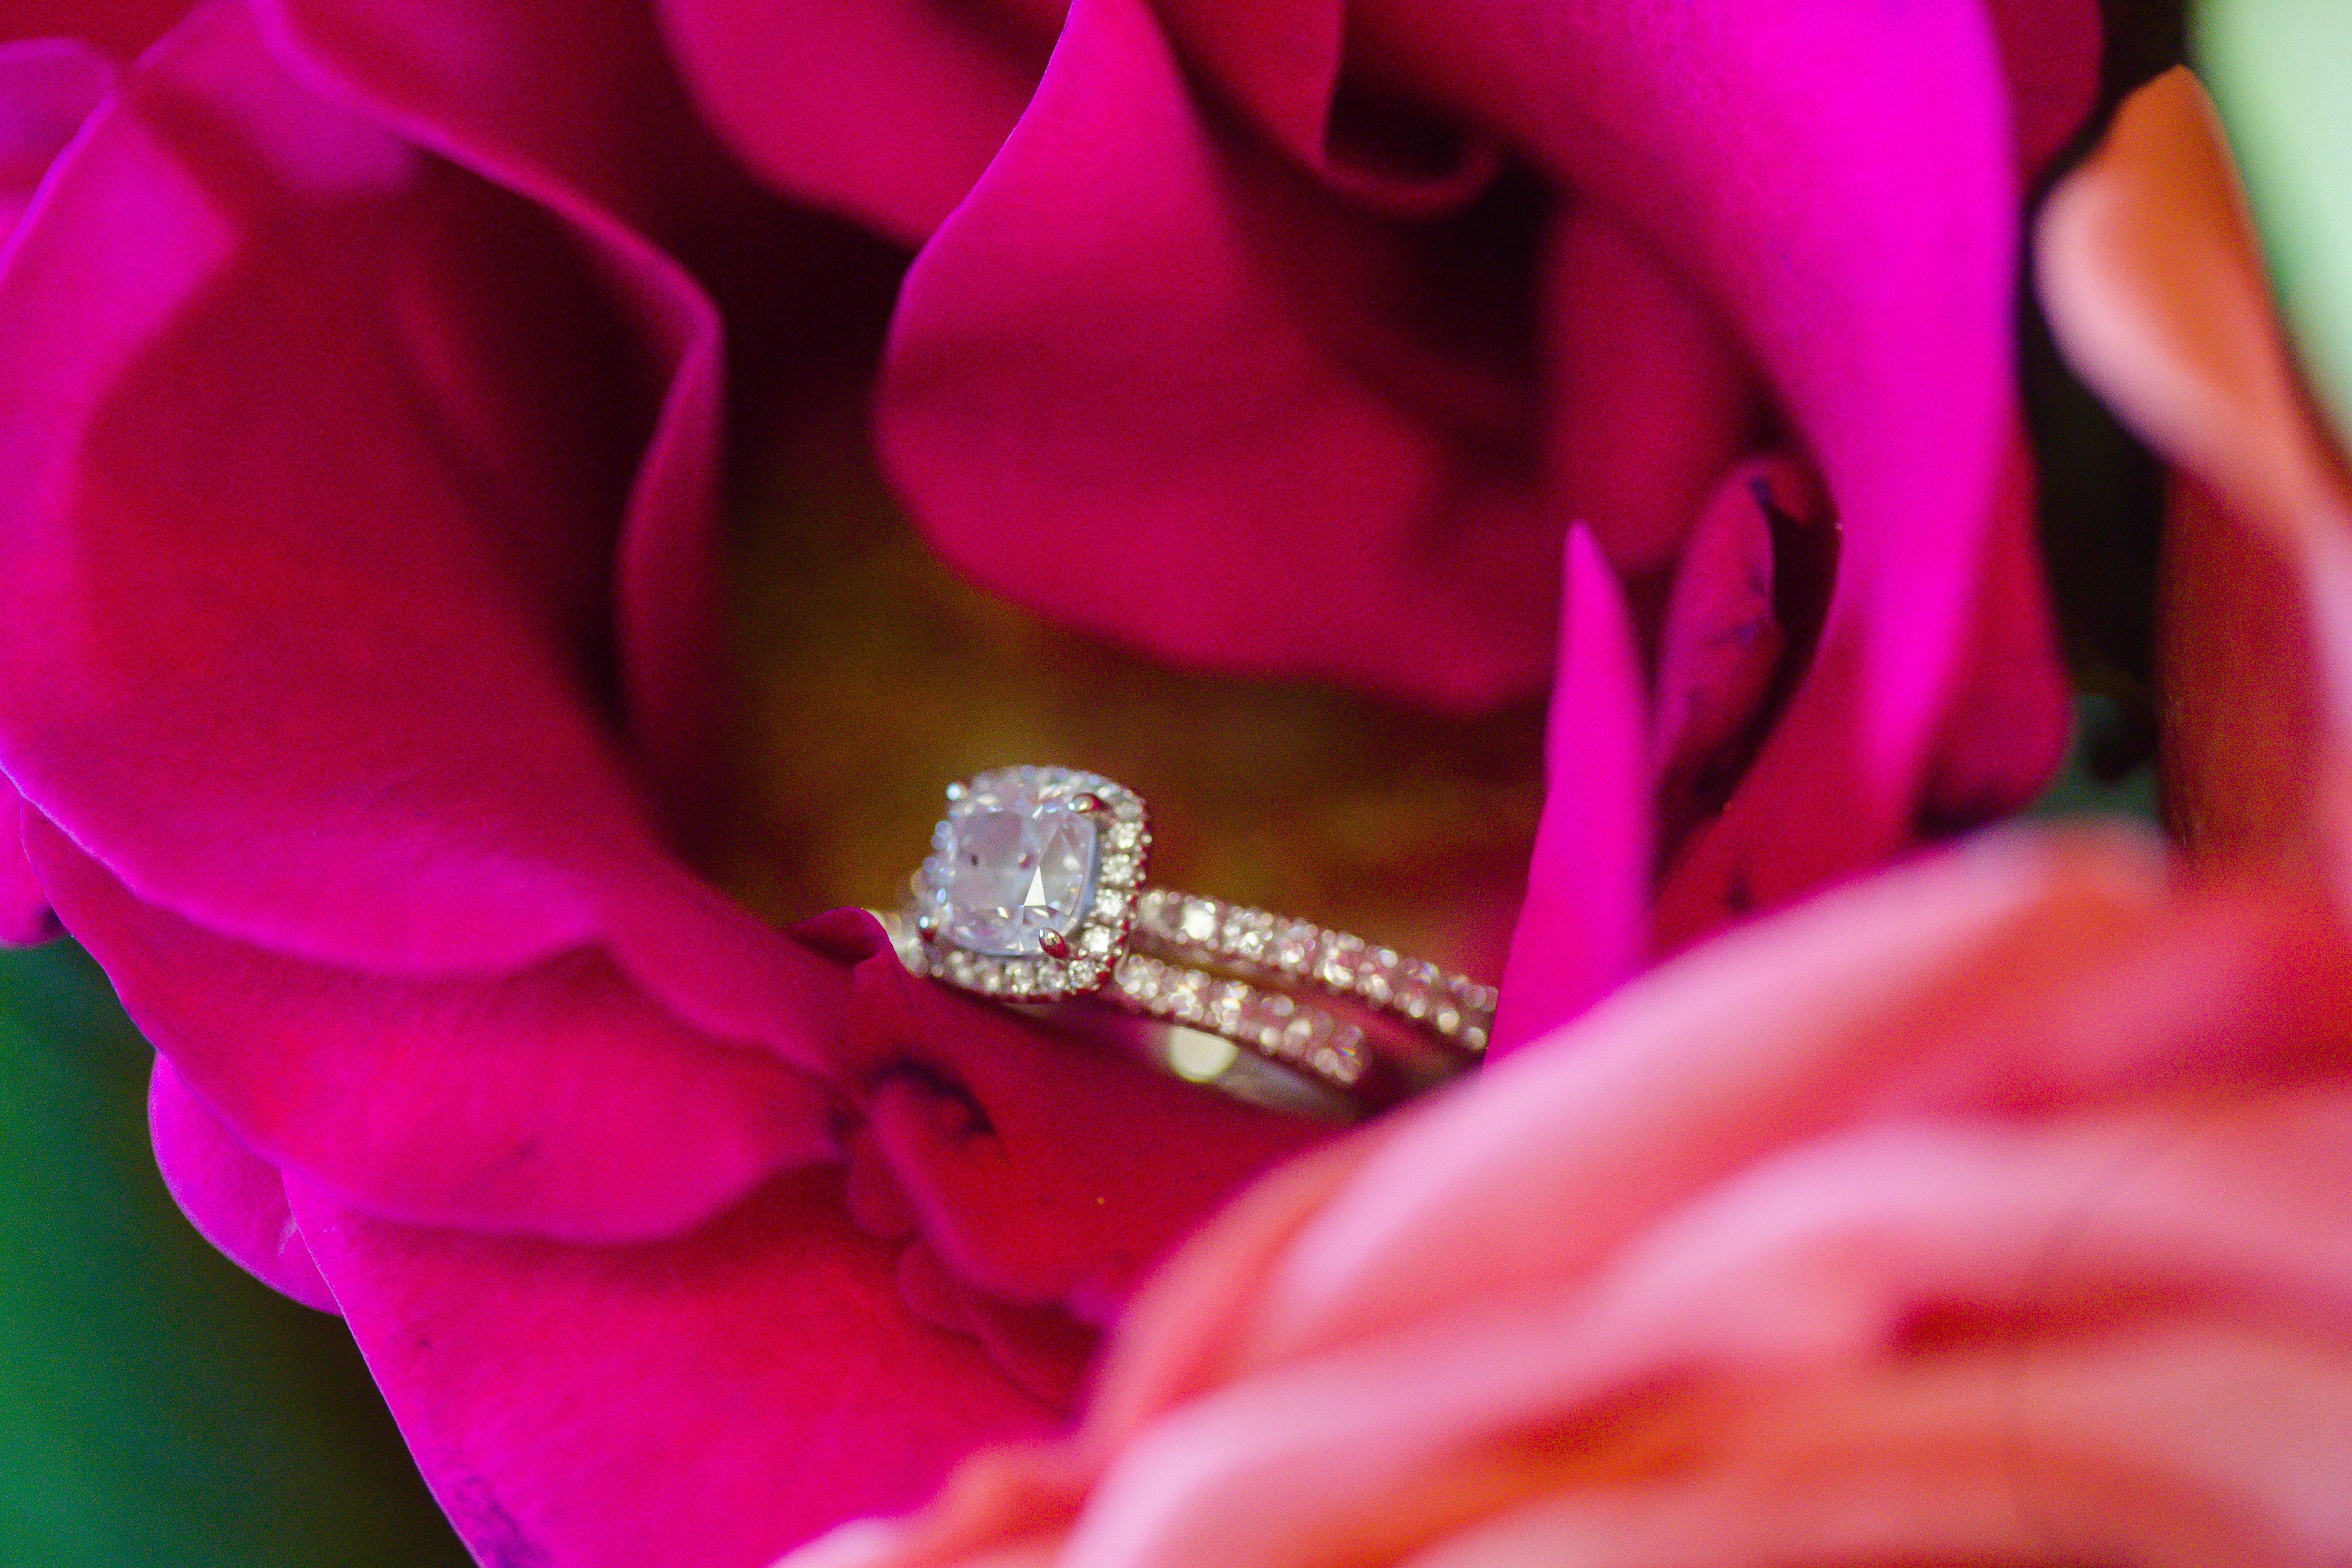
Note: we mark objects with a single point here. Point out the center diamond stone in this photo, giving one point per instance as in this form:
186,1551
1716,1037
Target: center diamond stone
1014,859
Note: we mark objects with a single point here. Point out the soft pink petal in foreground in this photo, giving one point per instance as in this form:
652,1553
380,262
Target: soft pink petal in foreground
233,1197
2028,1249
1680,1076
2154,287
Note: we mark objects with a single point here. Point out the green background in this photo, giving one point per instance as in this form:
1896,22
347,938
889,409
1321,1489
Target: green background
158,1407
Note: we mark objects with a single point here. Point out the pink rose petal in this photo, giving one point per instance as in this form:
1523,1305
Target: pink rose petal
456,803
233,1197
886,112
48,89
24,914
1141,428
1583,926
1649,400
554,1099
702,1402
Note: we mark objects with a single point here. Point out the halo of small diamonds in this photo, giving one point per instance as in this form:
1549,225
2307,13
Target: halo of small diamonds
1079,959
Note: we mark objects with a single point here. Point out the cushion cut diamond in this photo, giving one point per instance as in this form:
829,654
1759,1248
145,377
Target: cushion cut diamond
1014,859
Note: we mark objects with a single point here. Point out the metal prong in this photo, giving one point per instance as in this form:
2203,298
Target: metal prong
927,928
1054,944
1089,804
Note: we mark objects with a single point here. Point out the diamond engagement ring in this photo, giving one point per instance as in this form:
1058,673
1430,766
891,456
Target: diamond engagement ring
1035,892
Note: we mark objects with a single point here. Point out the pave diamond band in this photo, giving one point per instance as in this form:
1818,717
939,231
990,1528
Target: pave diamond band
1035,892
1457,1009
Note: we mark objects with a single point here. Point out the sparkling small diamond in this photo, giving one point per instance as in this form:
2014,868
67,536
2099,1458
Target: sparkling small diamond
1200,919
1294,947
1114,903
1124,835
1021,978
1119,869
1014,859
1139,977
1248,933
1186,995
1096,940
1340,956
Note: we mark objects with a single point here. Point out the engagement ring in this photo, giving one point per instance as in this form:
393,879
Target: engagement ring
1035,892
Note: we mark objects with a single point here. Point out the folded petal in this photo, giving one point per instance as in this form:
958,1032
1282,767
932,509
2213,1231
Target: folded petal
1584,925
1048,1169
887,112
24,914
1128,385
432,787
47,88
703,1402
236,1199
555,1100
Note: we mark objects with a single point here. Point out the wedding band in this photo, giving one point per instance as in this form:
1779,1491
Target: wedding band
1035,893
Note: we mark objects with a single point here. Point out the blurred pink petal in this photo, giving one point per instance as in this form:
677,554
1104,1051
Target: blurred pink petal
1681,1076
1975,1263
2154,287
